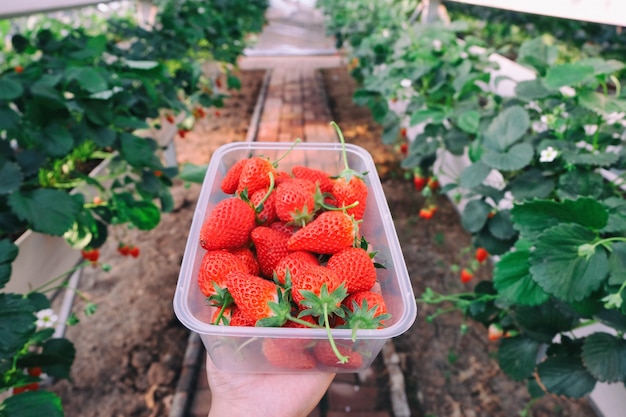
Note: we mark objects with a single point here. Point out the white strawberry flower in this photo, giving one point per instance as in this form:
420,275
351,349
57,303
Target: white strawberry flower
406,83
548,155
386,33
437,44
590,130
614,117
46,319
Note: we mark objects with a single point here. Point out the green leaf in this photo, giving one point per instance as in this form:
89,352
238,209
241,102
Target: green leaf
513,281
20,43
57,357
507,128
469,121
32,404
139,152
536,53
17,324
9,119
456,141
567,74
617,263
617,215
233,82
501,226
494,246
475,215
193,173
88,78
600,103
574,184
534,89
560,270
517,357
426,115
48,211
531,184
533,217
474,175
545,321
566,376
580,157
515,158
10,89
8,253
604,356
57,140
145,215
11,177
602,66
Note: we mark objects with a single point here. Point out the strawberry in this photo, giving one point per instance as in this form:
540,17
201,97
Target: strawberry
223,315
288,353
19,69
321,178
123,249
288,229
295,201
214,267
238,319
261,301
466,275
182,133
91,255
271,247
327,356
231,179
419,181
282,176
495,332
426,214
294,262
329,233
228,225
403,132
34,386
311,278
404,148
481,255
365,310
266,211
246,255
34,371
217,113
433,184
356,267
255,175
133,251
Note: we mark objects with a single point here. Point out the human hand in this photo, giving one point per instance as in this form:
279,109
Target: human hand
255,394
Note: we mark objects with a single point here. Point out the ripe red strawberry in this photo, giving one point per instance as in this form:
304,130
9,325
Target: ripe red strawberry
123,249
312,278
182,133
228,225
170,118
288,353
19,69
433,183
466,275
419,181
325,355
403,132
481,255
267,214
258,299
255,175
246,255
133,251
426,214
295,201
287,229
495,332
356,267
33,386
321,178
295,262
404,148
238,319
91,255
270,246
214,267
366,310
34,371
329,233
348,190
231,179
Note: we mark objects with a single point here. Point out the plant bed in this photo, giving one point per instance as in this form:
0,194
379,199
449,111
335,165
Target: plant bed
449,364
129,354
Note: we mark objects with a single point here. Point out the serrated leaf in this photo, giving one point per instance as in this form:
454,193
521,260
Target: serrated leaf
426,115
58,356
604,356
617,263
9,119
88,78
48,211
33,404
560,270
492,244
600,103
513,281
139,152
469,121
475,215
456,141
145,215
567,74
577,183
617,215
11,177
517,357
10,89
533,217
602,66
58,141
474,175
531,184
17,324
193,173
8,251
513,159
580,157
566,376
545,321
508,127
536,53
501,226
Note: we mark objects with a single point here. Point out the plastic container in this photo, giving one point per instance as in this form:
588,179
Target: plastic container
239,349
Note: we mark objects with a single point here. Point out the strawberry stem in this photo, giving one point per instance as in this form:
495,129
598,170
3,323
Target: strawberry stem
347,172
295,143
342,358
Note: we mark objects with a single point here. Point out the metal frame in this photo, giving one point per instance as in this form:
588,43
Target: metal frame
9,9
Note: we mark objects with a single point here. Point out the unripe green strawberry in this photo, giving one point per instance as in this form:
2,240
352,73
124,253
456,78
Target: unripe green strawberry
214,267
270,246
356,267
329,233
228,225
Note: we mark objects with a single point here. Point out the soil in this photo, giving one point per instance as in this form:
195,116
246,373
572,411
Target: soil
128,354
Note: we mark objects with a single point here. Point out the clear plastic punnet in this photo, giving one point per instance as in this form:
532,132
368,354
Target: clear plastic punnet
240,349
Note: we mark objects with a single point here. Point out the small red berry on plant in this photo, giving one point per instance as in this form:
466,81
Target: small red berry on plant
495,332
19,69
123,249
182,133
426,214
419,181
90,255
433,184
169,118
133,251
466,275
481,255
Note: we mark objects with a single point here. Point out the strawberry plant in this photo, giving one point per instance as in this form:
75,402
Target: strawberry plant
541,180
71,98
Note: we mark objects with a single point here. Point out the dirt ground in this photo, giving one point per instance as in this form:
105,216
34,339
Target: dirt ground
129,353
